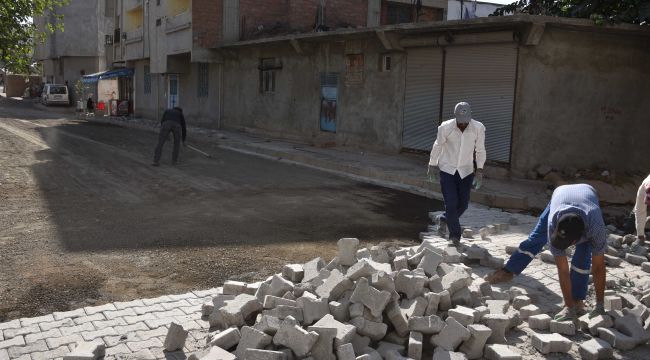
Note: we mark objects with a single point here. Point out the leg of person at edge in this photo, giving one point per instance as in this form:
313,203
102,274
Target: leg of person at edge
641,210
173,122
572,218
452,160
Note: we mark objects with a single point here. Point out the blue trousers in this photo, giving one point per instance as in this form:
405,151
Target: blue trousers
580,263
455,192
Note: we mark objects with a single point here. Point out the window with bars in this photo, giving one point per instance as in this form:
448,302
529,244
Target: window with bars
203,85
147,80
268,68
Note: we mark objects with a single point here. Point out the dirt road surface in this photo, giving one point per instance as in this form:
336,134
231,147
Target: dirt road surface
85,219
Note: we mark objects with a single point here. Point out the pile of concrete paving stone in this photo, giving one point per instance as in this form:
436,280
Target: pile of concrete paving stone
624,248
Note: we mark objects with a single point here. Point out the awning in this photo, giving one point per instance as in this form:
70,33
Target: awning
93,78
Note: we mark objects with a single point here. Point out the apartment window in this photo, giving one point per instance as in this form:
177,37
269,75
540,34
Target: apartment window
386,63
398,13
268,68
203,89
147,80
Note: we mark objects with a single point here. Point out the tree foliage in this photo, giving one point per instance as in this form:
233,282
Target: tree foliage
19,34
601,11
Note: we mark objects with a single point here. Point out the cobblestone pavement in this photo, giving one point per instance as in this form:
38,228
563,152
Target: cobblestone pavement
137,329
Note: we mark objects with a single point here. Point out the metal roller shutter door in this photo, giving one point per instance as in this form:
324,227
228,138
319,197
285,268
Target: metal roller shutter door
484,76
422,98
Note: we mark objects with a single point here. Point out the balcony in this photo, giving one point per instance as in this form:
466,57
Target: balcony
178,22
133,36
130,5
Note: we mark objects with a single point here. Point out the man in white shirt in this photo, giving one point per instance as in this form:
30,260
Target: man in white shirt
452,156
641,209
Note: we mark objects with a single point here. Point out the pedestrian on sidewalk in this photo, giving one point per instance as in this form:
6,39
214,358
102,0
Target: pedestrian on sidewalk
641,209
173,122
452,160
572,218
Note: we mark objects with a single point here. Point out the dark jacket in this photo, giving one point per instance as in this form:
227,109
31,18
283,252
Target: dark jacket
176,115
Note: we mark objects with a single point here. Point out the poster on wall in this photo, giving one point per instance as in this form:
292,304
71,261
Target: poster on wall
354,69
328,97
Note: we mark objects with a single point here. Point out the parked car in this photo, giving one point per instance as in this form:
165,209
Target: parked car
55,94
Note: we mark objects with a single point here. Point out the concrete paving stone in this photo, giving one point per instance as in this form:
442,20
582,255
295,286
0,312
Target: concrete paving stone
134,319
92,335
345,352
499,323
207,308
413,307
548,343
397,318
410,284
15,341
175,304
183,296
154,324
89,318
92,310
347,251
344,332
435,284
11,333
259,354
226,339
251,339
596,349
455,280
445,301
334,286
464,315
632,326
157,300
400,263
529,310
279,286
141,310
473,347
613,303
312,309
562,327
118,349
24,322
617,339
236,311
293,272
108,323
379,254
520,301
498,306
110,315
501,352
429,262
372,298
271,302
441,354
451,255
128,329
251,289
176,337
208,292
137,346
69,314
324,346
45,326
372,329
232,287
51,354
312,268
604,321
56,342
415,345
451,336
121,305
13,324
635,259
148,334
168,314
17,351
52,333
144,354
389,350
284,311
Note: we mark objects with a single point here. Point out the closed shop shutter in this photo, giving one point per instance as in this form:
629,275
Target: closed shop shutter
484,76
422,98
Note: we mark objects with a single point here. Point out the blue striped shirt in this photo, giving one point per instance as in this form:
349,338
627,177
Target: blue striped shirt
582,200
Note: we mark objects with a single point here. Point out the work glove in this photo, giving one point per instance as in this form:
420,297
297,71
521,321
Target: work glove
566,314
599,309
433,173
478,179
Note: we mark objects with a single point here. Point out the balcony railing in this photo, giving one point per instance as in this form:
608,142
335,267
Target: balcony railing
133,36
178,22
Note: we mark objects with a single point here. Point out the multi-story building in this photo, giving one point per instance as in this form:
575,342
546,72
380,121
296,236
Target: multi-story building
173,45
81,48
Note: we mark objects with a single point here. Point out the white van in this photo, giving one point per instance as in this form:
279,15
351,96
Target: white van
55,94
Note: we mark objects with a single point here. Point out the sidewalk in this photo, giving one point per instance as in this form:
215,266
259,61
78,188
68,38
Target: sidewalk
402,171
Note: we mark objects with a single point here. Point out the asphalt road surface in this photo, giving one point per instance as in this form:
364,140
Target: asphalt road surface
85,219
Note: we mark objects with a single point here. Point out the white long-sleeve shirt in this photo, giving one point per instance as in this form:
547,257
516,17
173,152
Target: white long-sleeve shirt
454,149
640,208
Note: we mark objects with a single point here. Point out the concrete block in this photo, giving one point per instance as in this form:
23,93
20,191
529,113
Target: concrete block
292,336
361,343
612,261
324,346
175,338
511,249
220,300
645,266
451,336
334,286
632,326
362,268
312,268
462,297
225,339
498,306
410,284
563,327
87,351
617,339
596,349
431,324
212,353
433,300
539,322
347,251
415,345
529,310
547,257
267,324
445,301
468,233
520,301
484,286
379,254
389,350
548,343
500,295
345,352
339,311
279,286
235,311
262,291
430,261
397,318
604,321
231,287
501,352
370,354
515,319
635,259
435,284
413,307
480,312
382,281
259,354
312,309
400,263
372,298
452,255
457,279
251,339
293,272
499,323
476,252
356,310
441,354
473,347
271,302
207,308
395,338
464,315
363,254
492,262
640,311
283,311
374,330
344,332
613,303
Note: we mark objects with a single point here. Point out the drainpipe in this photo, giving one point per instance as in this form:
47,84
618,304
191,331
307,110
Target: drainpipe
220,95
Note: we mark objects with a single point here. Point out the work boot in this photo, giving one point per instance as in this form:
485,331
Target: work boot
566,314
454,241
442,226
499,276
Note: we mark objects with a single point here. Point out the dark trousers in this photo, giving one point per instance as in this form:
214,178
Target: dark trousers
165,129
455,192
